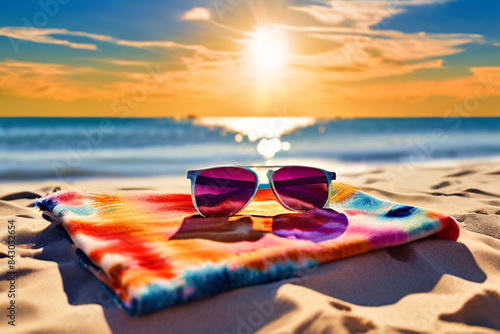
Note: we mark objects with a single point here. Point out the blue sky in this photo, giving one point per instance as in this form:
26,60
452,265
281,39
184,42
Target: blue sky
337,57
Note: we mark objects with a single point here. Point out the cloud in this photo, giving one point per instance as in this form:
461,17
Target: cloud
122,62
361,14
210,76
46,36
191,78
37,35
360,47
362,57
159,44
197,13
354,15
51,81
484,81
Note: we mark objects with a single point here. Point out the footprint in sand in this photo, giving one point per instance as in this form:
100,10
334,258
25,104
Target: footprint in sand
372,180
461,173
441,185
492,203
480,192
454,194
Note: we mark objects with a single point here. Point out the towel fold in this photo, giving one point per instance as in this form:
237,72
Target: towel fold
152,250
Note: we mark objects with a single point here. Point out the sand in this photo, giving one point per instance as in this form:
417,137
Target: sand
431,286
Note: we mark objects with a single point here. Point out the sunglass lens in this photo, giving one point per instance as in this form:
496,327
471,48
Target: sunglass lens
301,188
223,191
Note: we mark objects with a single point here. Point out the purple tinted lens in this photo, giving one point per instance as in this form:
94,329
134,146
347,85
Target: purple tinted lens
301,188
223,191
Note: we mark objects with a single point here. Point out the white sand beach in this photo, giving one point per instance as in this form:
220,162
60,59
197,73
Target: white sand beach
429,286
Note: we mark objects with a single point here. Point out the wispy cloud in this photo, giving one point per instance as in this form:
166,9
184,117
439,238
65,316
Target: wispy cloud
360,14
482,81
44,36
197,13
48,36
366,57
360,47
49,81
122,62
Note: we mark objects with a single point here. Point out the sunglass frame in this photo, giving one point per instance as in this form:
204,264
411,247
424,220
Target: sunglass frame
193,174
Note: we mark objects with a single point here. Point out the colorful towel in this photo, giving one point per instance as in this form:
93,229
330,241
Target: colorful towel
152,250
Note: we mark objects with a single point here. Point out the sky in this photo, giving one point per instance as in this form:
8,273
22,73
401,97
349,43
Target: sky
323,59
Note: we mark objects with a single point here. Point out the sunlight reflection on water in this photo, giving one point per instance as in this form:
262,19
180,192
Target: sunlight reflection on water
267,130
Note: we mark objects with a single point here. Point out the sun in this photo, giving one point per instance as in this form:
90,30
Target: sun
268,49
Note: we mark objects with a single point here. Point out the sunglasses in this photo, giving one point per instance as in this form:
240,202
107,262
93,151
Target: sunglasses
225,191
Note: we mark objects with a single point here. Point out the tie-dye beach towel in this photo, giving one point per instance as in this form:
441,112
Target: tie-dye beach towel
151,250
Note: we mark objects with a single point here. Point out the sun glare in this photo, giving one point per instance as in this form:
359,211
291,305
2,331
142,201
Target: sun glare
268,50
266,132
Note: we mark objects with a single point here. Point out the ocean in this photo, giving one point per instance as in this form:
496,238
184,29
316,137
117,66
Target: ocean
65,148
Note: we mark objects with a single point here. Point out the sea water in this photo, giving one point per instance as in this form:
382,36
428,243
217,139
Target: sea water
48,148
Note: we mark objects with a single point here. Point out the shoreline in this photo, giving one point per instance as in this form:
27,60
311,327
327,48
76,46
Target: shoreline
172,182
